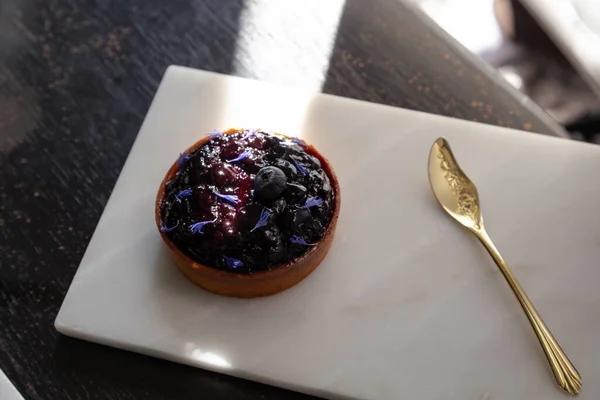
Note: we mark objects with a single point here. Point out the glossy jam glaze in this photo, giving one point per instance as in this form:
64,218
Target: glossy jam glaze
225,206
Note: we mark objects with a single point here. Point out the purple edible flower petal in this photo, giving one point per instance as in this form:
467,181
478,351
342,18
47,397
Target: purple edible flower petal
182,159
232,262
183,193
198,226
248,133
300,142
313,201
299,167
164,228
245,154
215,134
262,220
232,198
299,240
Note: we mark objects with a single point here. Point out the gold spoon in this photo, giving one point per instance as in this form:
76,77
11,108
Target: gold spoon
458,196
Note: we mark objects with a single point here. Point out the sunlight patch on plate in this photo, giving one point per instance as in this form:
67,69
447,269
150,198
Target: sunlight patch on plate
286,117
207,358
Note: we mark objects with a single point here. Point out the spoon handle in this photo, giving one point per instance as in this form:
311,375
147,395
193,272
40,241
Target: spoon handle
565,373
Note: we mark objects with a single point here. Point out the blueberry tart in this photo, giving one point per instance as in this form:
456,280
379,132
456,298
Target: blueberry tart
247,213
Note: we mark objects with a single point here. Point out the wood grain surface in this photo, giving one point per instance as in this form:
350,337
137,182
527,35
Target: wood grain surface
76,79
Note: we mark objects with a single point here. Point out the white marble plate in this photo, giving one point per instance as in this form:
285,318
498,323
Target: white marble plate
406,304
7,390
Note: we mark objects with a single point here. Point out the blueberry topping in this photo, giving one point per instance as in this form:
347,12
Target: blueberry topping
301,217
223,173
250,212
269,183
276,245
295,192
278,206
315,161
287,167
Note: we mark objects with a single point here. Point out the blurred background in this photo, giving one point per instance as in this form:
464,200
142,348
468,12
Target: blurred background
547,49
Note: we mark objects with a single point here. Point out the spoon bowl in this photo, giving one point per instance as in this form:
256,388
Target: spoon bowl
452,188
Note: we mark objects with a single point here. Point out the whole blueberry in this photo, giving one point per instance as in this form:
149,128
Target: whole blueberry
295,192
315,161
287,167
277,253
275,247
278,206
269,183
301,217
317,178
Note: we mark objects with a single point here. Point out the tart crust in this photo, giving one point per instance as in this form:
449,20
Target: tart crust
260,283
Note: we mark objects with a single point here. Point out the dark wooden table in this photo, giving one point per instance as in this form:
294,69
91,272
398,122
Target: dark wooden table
76,78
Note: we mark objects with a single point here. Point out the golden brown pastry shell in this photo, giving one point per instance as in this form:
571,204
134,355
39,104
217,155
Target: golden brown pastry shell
256,284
